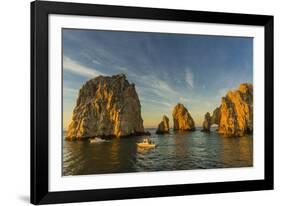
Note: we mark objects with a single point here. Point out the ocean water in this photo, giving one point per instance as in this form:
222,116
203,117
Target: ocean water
174,151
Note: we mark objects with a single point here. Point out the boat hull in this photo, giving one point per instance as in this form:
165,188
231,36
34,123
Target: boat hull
142,145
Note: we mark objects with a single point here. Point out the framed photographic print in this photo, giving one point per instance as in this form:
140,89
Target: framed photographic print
131,102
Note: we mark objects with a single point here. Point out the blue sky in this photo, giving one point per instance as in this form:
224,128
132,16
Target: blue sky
195,70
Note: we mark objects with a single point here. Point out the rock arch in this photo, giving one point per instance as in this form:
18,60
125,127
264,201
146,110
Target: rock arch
234,117
211,120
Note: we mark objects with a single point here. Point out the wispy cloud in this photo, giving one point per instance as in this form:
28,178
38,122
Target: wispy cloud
161,85
75,67
189,78
156,84
94,61
165,104
185,100
152,87
90,58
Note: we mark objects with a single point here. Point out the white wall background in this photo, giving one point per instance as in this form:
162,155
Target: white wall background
14,101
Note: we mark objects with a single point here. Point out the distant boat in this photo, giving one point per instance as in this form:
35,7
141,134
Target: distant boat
146,143
97,140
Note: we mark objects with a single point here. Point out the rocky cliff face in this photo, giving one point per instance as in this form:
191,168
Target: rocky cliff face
237,112
106,106
235,115
182,118
163,127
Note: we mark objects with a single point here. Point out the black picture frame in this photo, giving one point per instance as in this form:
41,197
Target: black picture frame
39,102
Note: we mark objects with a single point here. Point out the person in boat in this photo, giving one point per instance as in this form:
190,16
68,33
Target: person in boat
147,141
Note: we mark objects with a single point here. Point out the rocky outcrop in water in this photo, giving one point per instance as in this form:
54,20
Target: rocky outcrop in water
234,117
207,123
216,116
106,106
236,112
182,118
210,120
163,127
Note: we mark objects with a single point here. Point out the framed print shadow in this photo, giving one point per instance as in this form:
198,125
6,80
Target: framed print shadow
131,102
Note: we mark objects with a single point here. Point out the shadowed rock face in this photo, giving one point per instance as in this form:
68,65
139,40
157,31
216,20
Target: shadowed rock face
210,120
182,118
235,115
163,127
106,106
216,116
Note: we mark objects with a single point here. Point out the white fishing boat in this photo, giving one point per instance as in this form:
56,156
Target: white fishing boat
96,140
146,143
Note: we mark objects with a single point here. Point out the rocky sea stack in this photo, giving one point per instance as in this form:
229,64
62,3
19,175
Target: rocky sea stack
182,118
107,107
207,123
234,117
163,127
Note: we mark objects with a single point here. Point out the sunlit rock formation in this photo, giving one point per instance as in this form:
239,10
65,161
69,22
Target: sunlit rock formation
163,127
182,118
234,117
237,112
106,106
